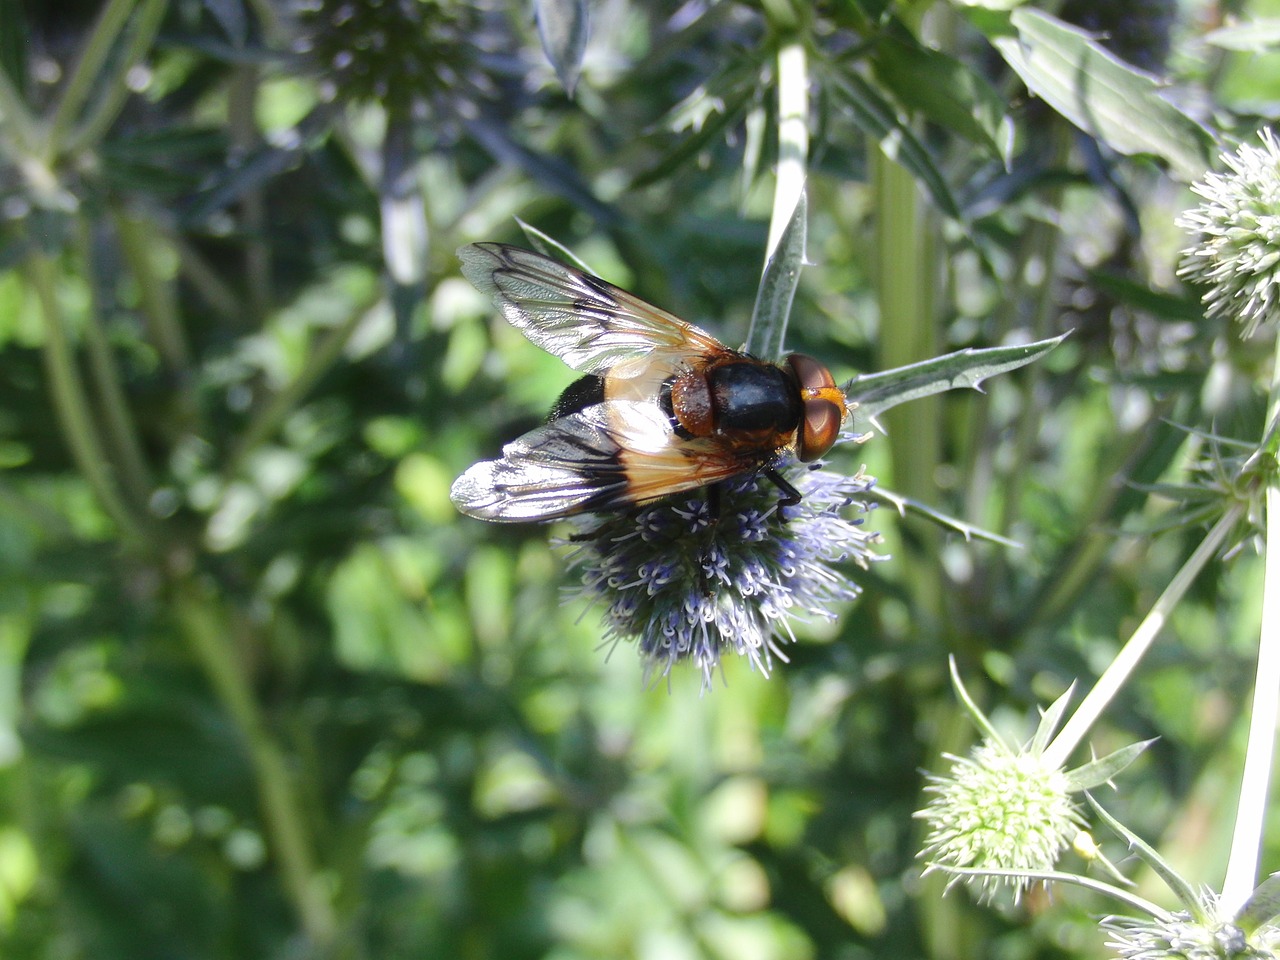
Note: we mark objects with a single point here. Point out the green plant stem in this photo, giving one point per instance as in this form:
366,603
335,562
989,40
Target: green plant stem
108,388
72,405
269,17
242,121
206,628
156,295
15,119
216,293
1246,840
85,79
116,89
793,138
905,288
1114,677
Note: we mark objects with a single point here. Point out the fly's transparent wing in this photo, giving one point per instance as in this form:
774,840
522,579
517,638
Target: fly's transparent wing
590,324
606,456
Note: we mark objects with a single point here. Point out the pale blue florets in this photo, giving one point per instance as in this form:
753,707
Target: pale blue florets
689,584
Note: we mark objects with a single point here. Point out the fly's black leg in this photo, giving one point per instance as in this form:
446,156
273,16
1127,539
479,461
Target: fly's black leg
790,495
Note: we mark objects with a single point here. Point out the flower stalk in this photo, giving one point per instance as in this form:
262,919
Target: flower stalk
1255,780
793,138
1114,677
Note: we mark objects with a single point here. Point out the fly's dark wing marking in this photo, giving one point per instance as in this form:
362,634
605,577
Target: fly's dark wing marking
590,324
609,455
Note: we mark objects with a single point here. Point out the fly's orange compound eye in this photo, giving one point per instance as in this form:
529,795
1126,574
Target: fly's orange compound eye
824,407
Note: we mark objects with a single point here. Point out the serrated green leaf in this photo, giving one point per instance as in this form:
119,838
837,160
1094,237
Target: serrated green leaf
1262,907
778,287
1100,771
877,392
1181,889
942,89
1254,36
876,117
1101,94
563,26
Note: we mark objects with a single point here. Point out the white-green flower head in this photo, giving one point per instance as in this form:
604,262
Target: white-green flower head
1181,937
1236,251
999,809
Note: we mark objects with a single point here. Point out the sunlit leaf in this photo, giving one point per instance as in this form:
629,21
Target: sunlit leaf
1252,36
1101,94
563,26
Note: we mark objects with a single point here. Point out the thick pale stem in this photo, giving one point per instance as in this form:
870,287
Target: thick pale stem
1255,781
793,138
1246,841
1114,677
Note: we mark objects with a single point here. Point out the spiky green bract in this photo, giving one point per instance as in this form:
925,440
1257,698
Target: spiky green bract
688,584
1236,250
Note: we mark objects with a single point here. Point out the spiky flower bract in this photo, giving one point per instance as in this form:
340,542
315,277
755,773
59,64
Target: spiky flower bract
999,809
1180,936
1237,236
689,582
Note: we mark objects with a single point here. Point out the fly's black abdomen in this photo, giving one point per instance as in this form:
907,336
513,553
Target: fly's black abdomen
751,395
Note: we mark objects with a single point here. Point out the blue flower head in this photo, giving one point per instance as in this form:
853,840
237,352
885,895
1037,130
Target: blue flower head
689,581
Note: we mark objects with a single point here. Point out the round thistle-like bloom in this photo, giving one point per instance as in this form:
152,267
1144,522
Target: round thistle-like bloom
1181,937
1237,236
394,51
999,810
689,583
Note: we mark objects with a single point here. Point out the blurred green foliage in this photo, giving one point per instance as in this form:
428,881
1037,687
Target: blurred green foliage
264,694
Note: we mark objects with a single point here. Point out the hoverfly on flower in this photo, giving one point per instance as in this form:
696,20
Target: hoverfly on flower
662,406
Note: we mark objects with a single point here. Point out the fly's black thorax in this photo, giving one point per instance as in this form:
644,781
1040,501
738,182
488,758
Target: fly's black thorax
749,395
582,393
